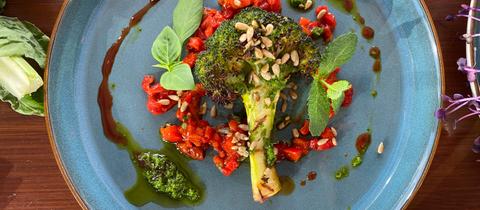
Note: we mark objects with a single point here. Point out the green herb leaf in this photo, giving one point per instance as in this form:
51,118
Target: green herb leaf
318,108
167,48
337,53
336,90
337,103
187,17
179,78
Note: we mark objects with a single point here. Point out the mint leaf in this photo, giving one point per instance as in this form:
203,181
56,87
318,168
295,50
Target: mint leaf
337,103
318,108
187,17
178,78
337,53
167,48
336,89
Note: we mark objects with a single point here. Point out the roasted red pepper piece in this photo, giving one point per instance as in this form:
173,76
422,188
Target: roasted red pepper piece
305,130
156,96
292,153
171,134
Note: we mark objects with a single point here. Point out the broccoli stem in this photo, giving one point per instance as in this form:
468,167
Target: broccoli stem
260,117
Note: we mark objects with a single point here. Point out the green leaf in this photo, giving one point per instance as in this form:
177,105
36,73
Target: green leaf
167,48
337,53
337,103
187,17
336,89
179,78
19,38
318,108
28,105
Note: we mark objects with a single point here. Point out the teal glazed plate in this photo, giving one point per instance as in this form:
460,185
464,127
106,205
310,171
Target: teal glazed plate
401,115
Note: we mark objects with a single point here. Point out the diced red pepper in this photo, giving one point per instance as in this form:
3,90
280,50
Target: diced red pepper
293,154
305,130
190,59
157,95
171,134
195,44
193,152
302,144
348,97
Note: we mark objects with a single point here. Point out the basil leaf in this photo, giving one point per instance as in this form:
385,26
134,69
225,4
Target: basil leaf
337,53
187,17
336,89
318,108
28,105
167,48
179,78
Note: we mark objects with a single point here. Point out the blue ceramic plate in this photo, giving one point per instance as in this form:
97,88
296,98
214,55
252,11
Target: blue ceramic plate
401,116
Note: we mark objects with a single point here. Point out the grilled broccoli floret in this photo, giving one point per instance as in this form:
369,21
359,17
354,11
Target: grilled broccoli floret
166,177
253,56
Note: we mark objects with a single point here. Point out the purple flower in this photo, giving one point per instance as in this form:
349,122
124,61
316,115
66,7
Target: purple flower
441,114
461,62
457,96
476,145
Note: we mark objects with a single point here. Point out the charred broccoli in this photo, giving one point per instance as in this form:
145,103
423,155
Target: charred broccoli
253,56
166,177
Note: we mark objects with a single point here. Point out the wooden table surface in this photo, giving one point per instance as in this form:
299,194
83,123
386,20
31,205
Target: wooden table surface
30,179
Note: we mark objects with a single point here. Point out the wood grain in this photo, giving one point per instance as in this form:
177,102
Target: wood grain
30,179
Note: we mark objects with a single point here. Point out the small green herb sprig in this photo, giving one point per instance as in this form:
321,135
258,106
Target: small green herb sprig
336,54
167,47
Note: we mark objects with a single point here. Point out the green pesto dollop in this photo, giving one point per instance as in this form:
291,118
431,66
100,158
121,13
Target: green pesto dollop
297,4
166,177
270,153
357,161
342,173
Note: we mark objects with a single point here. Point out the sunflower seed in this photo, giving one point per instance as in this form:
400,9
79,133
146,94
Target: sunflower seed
258,42
241,26
278,61
241,136
253,145
179,92
267,76
268,54
250,32
179,104
283,96
295,87
295,133
254,24
321,14
322,142
334,142
234,147
293,95
268,29
285,58
281,126
213,111
174,97
295,58
248,45
265,68
267,42
203,108
243,38
224,131
334,131
255,78
268,101
301,6
244,127
184,106
308,4
262,45
258,53
380,148
284,106
287,118
228,106
164,102
237,3
276,70
275,151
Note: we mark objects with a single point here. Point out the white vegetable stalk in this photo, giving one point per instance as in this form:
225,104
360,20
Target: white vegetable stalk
18,77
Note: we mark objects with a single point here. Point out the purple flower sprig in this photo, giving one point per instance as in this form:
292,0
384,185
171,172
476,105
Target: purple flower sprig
464,12
454,104
468,70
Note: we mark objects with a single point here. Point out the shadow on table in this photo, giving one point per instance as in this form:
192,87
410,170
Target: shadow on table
8,185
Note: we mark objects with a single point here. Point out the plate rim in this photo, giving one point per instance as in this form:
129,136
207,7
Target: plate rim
83,203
